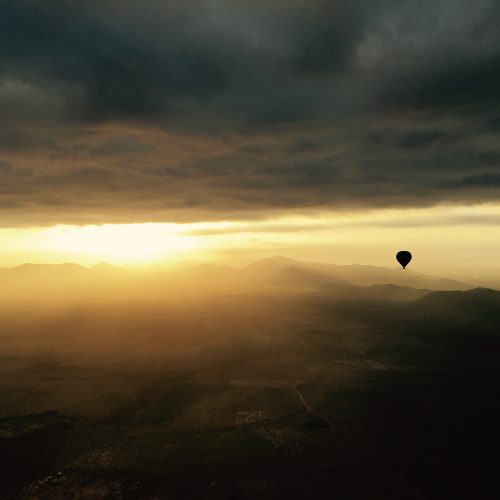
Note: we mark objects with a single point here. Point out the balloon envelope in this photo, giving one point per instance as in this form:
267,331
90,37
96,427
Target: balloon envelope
403,257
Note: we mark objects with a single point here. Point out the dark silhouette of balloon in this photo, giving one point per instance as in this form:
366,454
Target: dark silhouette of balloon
404,258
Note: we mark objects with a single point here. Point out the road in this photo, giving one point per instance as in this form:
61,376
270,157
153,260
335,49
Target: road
350,435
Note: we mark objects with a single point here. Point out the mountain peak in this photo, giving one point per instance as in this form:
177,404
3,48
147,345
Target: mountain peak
276,260
65,266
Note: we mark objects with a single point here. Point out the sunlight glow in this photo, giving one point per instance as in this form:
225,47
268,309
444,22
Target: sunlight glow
469,233
117,243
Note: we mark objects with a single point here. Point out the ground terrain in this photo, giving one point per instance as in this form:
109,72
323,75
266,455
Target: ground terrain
267,395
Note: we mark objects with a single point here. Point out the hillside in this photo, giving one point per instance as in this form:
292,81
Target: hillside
273,275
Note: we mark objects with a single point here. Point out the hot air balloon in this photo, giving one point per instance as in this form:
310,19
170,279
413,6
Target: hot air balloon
403,257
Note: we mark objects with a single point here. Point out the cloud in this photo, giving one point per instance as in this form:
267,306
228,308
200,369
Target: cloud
168,110
409,139
488,179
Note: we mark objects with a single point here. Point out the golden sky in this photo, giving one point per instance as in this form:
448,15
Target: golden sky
447,239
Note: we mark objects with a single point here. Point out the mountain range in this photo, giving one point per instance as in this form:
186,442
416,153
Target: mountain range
275,274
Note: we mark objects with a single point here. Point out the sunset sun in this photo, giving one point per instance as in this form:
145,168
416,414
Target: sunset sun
116,243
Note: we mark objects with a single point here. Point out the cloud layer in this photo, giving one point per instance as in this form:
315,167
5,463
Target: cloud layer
124,111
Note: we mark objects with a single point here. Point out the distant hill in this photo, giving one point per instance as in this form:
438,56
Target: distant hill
359,275
479,304
294,275
392,293
484,297
272,275
440,326
49,270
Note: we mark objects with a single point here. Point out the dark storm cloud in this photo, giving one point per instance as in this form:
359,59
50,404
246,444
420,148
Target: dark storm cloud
408,139
120,71
488,179
326,37
159,110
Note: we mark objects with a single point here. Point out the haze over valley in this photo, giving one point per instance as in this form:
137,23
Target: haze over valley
277,379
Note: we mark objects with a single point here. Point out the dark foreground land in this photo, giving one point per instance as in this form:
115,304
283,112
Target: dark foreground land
271,397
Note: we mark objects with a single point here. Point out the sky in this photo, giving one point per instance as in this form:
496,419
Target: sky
343,131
